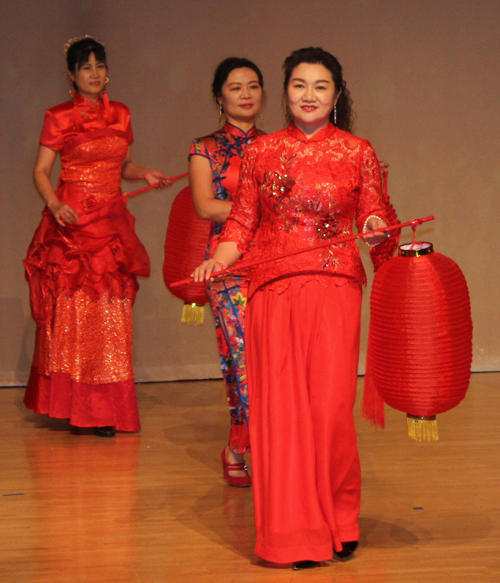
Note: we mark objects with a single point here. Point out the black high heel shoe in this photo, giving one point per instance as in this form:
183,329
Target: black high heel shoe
106,431
301,565
347,549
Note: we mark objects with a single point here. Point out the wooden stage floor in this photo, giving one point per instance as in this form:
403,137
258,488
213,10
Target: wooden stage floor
152,507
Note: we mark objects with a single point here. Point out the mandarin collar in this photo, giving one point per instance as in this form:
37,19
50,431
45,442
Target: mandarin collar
324,133
237,132
84,102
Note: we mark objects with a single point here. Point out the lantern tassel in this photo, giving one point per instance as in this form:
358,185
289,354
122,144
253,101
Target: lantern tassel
422,428
193,314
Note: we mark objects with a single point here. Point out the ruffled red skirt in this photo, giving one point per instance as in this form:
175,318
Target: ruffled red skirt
82,286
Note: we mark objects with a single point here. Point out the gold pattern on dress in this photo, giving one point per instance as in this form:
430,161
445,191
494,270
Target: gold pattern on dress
329,226
91,340
326,227
281,183
94,167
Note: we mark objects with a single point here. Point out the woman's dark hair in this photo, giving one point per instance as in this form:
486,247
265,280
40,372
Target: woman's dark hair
318,56
226,67
79,53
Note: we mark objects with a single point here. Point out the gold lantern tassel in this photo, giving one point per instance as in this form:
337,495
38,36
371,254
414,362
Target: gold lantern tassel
193,314
422,428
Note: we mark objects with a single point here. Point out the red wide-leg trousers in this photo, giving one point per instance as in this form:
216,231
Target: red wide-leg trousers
302,357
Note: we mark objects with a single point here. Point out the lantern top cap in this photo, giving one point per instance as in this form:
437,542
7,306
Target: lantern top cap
416,249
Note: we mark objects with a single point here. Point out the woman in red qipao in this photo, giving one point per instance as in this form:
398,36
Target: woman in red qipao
214,169
82,268
299,187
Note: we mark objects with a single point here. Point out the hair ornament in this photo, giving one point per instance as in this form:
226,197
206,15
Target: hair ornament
72,41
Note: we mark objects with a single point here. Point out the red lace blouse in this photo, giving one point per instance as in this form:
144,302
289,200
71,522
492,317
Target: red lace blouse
296,192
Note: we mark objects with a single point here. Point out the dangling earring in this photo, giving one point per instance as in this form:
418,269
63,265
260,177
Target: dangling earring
105,100
71,90
77,118
334,115
261,117
108,116
221,111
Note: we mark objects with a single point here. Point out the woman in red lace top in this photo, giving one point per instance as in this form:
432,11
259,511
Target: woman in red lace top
82,268
300,186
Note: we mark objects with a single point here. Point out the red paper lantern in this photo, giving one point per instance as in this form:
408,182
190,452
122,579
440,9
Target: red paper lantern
420,339
185,245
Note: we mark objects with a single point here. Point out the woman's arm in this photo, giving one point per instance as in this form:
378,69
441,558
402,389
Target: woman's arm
241,225
371,205
62,212
131,171
200,179
375,210
375,222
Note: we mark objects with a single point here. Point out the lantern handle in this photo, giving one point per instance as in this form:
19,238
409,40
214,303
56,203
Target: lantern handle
245,265
414,224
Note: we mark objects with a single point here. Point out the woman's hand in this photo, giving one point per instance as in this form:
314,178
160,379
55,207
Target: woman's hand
204,271
376,238
153,176
226,255
63,213
131,171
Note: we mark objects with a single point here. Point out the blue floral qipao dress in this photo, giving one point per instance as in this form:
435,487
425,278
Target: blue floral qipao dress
224,150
